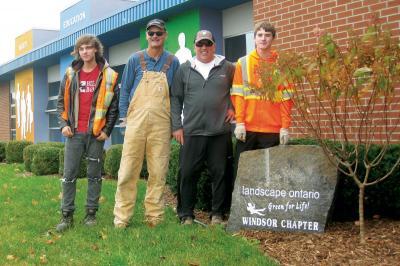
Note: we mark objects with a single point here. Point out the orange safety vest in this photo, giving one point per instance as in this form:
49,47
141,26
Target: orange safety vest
104,97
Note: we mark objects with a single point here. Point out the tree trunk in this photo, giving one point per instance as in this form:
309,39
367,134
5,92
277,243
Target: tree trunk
361,212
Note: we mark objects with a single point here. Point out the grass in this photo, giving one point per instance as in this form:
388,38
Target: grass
29,211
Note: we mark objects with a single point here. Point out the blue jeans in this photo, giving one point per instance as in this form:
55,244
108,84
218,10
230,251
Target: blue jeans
75,147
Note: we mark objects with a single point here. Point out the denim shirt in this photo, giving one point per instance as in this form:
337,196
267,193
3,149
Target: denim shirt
133,73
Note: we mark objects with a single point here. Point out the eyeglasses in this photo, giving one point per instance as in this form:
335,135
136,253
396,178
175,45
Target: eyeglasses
207,43
158,33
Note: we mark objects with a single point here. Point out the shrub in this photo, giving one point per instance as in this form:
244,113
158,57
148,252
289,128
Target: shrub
382,199
173,168
2,151
204,195
45,160
113,159
204,191
14,150
30,151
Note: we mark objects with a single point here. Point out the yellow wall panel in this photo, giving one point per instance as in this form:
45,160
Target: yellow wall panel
24,92
24,43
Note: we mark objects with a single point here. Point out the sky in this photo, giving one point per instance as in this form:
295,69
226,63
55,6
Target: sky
20,16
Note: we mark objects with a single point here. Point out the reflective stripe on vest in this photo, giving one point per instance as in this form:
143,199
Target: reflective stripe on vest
281,94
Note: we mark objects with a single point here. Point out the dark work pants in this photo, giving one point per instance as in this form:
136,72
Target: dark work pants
75,147
196,151
254,141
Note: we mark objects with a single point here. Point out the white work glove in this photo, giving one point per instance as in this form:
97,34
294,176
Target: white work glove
240,132
284,136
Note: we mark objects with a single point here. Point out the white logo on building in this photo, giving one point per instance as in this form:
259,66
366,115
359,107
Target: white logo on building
24,113
183,54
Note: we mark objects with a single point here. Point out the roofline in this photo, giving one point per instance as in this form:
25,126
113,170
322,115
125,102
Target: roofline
120,19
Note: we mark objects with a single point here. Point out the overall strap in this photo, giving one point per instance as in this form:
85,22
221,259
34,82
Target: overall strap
167,63
142,62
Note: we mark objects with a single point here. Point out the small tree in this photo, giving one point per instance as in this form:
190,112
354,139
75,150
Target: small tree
347,99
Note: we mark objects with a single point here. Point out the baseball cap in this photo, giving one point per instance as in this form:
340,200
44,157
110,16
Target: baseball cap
156,22
204,35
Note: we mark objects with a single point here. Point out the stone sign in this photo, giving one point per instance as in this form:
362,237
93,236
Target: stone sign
284,188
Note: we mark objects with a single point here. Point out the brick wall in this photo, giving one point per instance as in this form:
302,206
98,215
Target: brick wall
5,112
295,21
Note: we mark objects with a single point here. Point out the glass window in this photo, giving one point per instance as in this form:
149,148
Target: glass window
13,134
54,87
238,46
51,105
13,124
235,47
53,121
55,135
116,136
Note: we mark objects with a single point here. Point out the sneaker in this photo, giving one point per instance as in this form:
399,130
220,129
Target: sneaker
216,219
90,219
187,220
67,221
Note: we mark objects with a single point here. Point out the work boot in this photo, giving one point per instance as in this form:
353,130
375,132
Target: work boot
90,218
67,221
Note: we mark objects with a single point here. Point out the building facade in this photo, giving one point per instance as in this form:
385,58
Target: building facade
29,83
296,21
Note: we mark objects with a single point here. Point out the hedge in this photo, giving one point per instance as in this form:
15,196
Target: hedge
30,151
382,199
45,160
2,151
204,195
14,150
113,160
173,168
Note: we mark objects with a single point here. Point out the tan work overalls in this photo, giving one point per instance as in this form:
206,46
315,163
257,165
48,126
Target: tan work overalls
148,131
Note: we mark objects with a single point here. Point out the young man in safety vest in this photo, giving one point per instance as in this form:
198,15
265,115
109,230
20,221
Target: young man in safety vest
87,107
145,110
260,123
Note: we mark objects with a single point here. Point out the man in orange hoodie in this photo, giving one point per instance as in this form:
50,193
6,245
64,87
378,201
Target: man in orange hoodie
260,122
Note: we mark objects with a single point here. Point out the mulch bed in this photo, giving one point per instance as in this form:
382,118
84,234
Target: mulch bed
339,245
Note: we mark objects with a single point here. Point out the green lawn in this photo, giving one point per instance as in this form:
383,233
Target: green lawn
29,211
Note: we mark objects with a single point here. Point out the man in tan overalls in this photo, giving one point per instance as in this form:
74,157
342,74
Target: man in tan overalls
145,111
